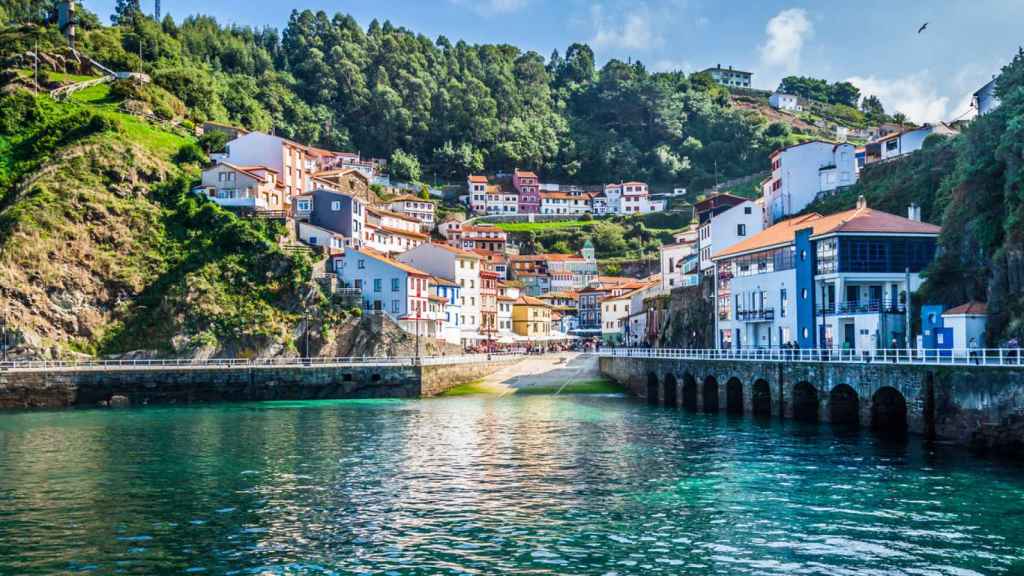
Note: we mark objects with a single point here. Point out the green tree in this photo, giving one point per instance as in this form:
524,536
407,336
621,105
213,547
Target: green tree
404,167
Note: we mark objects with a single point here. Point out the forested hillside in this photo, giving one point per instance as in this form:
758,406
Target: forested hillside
973,185
325,80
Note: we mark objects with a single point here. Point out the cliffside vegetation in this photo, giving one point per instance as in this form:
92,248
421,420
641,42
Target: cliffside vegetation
104,250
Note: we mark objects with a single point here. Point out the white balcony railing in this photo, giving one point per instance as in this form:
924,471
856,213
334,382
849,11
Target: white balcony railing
1004,357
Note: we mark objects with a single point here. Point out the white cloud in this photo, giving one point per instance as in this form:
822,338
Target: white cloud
633,30
914,95
488,7
787,31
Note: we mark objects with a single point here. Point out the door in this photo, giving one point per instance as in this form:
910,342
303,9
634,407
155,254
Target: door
849,335
876,298
852,295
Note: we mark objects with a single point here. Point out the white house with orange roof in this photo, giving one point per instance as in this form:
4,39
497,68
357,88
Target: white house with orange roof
416,208
247,187
837,281
289,159
461,267
388,286
390,232
626,198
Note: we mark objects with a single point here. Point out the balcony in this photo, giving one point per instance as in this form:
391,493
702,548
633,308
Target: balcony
765,315
883,306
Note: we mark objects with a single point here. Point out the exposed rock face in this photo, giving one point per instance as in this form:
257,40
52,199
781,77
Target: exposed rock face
687,320
376,335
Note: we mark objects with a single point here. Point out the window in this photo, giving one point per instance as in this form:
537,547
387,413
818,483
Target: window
892,145
741,229
783,302
394,284
361,264
803,294
312,240
746,210
377,285
303,205
394,306
358,283
336,206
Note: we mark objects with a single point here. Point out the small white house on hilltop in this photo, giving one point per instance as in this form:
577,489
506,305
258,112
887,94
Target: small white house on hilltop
783,101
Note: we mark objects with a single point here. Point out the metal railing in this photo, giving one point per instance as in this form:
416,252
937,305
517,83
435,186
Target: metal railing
1011,357
763,315
873,306
241,363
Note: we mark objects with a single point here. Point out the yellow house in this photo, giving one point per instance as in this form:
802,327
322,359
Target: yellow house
531,317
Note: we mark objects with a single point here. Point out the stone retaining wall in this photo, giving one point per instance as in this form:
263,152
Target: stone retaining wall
176,385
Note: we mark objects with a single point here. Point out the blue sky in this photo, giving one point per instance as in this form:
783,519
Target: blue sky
872,43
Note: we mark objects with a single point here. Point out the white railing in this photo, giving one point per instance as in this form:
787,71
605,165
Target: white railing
238,363
959,357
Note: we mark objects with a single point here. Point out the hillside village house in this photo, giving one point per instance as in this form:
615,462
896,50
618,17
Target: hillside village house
330,219
590,298
451,293
416,208
836,281
626,198
680,261
345,180
246,187
486,197
614,315
391,287
527,190
459,266
729,77
636,330
802,172
783,101
475,237
389,232
565,304
508,293
985,99
489,304
723,221
542,273
290,160
531,318
565,203
903,142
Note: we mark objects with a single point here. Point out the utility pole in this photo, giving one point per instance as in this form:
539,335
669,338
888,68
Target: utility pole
907,312
5,334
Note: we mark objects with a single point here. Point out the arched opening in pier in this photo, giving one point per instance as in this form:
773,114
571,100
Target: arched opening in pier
710,394
761,398
689,392
889,410
805,402
669,390
734,396
844,405
652,388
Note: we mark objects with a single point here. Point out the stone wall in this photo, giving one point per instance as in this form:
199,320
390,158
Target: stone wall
978,406
182,385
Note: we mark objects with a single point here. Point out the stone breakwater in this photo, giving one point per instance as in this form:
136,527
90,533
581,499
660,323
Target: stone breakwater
169,385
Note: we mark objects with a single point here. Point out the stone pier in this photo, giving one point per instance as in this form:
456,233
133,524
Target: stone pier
977,406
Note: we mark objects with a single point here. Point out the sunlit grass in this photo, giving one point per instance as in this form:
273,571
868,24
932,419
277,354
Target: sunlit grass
595,386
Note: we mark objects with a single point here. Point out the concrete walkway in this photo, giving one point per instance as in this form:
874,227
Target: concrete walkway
547,371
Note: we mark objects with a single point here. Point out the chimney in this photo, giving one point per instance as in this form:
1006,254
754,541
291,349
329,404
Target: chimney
861,202
914,212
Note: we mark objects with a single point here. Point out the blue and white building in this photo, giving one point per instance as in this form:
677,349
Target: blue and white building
802,172
838,281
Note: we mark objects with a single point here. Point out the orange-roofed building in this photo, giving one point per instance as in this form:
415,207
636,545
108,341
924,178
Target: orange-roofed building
838,281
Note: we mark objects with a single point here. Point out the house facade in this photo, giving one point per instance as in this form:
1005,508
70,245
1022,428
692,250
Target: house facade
289,159
531,318
388,286
724,221
451,292
904,142
680,260
802,172
460,267
985,99
245,187
782,101
527,187
415,208
729,76
837,281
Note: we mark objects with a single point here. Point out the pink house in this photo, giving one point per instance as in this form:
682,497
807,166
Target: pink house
528,188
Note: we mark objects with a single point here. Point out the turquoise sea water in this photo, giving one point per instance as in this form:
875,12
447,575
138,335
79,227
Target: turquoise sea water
474,485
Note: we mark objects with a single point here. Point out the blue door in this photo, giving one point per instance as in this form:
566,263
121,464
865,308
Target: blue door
944,341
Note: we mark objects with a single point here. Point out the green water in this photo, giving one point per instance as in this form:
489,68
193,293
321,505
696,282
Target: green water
471,485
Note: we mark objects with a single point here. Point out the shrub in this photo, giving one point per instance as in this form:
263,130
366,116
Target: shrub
190,153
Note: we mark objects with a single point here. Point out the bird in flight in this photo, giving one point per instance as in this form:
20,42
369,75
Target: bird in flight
923,26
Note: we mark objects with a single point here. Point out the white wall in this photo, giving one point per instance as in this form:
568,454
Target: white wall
724,230
800,171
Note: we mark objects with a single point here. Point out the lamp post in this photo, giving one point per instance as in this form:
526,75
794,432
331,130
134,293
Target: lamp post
4,345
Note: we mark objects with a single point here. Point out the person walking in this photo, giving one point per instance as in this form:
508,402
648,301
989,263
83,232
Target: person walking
972,346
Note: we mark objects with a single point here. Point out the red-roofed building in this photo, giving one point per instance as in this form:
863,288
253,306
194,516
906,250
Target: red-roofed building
837,281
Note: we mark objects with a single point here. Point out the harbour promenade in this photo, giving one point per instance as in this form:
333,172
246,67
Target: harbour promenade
971,397
55,384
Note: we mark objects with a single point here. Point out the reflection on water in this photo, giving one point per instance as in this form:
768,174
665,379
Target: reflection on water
558,485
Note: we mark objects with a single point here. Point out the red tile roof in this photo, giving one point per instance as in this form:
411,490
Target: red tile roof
968,309
383,258
478,179
859,220
525,300
454,250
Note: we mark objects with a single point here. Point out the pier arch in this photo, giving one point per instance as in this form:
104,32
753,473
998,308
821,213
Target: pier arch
805,402
710,394
761,398
689,392
652,388
844,405
888,410
734,396
669,388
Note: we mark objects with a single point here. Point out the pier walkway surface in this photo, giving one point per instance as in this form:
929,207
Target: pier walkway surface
550,372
